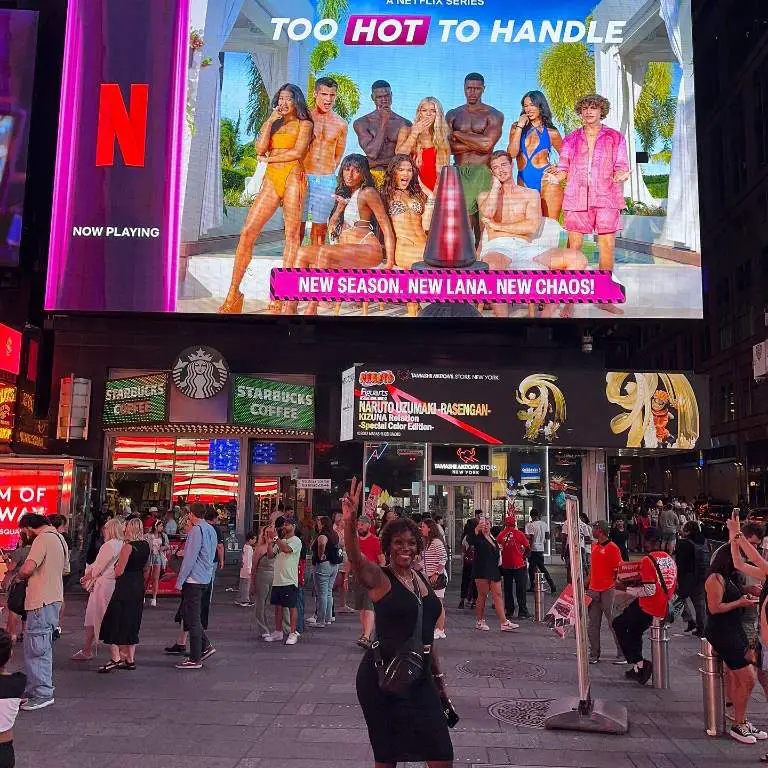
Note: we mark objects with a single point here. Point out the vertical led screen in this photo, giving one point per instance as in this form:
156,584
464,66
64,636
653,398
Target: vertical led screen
18,35
403,159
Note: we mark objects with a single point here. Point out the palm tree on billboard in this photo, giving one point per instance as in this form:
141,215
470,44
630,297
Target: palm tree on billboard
348,98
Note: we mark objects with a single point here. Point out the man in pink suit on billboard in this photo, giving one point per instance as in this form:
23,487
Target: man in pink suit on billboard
595,162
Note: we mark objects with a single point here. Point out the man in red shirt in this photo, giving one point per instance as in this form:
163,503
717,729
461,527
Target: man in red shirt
606,557
370,546
651,600
514,549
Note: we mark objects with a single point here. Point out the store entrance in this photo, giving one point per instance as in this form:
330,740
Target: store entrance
270,492
457,502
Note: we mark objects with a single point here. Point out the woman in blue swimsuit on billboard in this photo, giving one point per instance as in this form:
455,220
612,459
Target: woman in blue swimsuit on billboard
531,141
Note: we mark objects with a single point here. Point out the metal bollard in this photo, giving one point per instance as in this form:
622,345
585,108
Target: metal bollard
660,654
713,687
538,596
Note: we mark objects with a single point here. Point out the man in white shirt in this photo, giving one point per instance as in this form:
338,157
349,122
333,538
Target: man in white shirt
286,550
538,534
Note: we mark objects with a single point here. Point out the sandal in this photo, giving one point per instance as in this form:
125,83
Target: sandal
110,665
129,665
364,642
81,656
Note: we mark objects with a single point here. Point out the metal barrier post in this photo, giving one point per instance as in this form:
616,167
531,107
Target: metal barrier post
538,596
713,688
660,653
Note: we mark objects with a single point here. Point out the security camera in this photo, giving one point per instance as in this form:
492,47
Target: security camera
586,342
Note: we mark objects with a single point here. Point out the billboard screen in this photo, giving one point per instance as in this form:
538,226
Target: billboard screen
18,35
562,408
394,159
22,491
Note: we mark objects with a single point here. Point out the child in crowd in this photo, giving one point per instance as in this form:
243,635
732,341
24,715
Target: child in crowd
244,598
12,687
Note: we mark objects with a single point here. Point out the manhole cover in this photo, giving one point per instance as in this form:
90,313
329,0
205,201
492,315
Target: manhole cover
503,670
528,713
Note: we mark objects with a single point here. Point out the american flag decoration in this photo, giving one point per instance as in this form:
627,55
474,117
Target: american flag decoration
203,470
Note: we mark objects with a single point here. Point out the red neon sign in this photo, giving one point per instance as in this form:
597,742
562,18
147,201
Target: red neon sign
10,350
22,491
125,125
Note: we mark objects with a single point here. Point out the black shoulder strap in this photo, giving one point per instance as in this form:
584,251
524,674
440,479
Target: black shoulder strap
661,578
415,640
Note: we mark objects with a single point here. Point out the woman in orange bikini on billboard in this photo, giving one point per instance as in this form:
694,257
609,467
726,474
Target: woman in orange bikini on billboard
355,223
282,143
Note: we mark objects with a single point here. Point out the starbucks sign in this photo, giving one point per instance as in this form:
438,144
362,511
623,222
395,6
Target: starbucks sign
200,372
136,400
267,403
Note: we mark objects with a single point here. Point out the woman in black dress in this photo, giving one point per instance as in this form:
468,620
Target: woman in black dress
412,727
487,574
122,621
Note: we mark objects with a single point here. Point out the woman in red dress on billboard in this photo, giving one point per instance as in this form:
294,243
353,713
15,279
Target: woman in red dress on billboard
282,143
426,142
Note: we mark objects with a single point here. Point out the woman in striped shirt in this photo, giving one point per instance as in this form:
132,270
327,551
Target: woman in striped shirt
435,557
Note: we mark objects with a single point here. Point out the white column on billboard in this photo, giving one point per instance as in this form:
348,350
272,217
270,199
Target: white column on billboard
682,222
217,30
615,81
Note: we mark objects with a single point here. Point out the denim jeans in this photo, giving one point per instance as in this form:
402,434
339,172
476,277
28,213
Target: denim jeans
324,576
38,650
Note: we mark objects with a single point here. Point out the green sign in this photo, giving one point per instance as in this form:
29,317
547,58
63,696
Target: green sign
138,400
267,403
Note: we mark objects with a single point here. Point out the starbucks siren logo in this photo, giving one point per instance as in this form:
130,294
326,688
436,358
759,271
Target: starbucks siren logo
200,372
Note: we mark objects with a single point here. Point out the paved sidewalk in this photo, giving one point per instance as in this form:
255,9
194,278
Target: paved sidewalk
272,706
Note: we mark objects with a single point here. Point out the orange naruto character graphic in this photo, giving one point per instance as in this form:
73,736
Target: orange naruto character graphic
661,415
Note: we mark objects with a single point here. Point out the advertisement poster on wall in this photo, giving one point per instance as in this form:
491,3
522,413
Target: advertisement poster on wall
560,408
22,491
396,159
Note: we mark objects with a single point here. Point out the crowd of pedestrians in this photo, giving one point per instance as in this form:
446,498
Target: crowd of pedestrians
394,571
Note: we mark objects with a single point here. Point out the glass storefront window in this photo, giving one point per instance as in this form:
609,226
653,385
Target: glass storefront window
398,469
519,475
565,482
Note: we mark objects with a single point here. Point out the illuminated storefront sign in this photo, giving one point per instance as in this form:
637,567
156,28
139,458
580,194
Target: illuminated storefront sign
7,412
136,400
565,408
267,403
460,461
22,491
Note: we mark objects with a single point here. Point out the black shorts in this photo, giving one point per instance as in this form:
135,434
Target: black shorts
285,596
7,757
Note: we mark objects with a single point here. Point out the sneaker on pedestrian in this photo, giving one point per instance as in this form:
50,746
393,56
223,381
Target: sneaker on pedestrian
274,637
208,652
153,602
311,621
189,664
37,702
346,609
293,638
509,626
525,615
645,672
757,733
176,649
481,625
594,659
440,634
619,661
690,627
743,733
333,618
461,604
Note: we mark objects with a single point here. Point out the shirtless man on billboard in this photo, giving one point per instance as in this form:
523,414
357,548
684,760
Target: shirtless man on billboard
322,160
511,216
475,128
377,131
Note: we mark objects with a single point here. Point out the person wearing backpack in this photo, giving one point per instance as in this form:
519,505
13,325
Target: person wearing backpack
326,558
652,600
692,559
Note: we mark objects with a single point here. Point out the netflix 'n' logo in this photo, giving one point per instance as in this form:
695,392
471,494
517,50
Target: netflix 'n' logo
125,125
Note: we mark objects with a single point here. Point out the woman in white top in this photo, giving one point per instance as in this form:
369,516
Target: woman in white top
99,580
435,557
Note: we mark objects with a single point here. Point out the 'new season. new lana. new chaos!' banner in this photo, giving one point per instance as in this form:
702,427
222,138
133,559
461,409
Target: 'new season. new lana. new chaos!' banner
404,158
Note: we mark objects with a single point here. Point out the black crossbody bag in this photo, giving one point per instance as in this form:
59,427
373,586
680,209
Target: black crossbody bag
408,664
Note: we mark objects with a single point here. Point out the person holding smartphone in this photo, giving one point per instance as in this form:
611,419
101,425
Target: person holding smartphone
725,632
